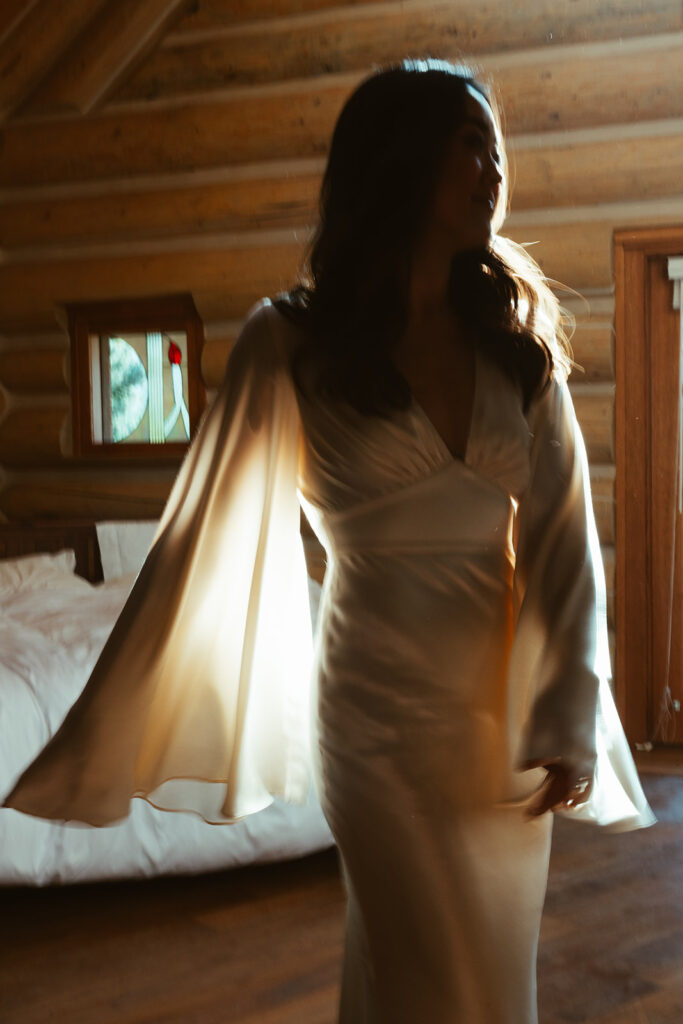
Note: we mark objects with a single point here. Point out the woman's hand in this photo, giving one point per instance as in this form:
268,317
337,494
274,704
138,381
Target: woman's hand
564,787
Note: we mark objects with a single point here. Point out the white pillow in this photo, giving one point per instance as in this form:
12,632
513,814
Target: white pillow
124,546
39,572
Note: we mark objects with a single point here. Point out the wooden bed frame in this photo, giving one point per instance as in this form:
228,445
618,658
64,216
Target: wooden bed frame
17,539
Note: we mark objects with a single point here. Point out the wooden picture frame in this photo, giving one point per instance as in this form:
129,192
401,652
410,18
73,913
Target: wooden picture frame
163,314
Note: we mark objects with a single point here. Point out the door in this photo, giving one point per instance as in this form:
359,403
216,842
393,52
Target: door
649,540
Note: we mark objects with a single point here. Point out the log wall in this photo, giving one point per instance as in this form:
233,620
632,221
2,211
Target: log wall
189,159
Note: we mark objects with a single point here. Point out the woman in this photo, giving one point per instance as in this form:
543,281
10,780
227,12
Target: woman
411,395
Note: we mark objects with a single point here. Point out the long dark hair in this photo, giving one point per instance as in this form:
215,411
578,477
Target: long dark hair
352,295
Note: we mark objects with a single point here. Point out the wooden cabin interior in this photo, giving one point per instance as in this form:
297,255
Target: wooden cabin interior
166,155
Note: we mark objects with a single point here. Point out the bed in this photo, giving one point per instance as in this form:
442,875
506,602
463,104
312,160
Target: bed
62,586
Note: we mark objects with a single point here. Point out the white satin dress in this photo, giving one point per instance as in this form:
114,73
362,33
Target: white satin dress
462,631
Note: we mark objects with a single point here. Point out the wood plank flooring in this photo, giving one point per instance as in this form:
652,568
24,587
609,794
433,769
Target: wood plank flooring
263,945
612,938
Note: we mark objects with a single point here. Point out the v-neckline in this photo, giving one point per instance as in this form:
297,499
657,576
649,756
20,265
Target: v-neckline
420,410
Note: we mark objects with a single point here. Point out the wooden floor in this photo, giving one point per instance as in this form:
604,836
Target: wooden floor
263,946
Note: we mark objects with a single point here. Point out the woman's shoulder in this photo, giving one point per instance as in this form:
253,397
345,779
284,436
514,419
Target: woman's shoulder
268,337
551,412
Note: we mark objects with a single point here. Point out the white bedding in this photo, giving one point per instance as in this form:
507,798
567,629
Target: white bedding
52,628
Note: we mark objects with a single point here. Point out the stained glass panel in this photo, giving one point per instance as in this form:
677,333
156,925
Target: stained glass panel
139,387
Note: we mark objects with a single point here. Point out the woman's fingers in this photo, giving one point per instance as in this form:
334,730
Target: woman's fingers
563,787
552,793
580,792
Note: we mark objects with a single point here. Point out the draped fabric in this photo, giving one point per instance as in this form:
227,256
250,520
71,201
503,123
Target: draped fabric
200,699
461,632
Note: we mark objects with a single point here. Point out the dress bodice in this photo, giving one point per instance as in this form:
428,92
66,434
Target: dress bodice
347,458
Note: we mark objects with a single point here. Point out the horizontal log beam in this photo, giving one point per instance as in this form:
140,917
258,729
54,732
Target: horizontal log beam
586,173
32,436
147,141
120,36
35,371
602,488
225,282
215,353
288,200
596,311
67,495
599,171
592,348
588,87
212,15
297,121
214,305
595,413
577,254
357,38
29,52
237,276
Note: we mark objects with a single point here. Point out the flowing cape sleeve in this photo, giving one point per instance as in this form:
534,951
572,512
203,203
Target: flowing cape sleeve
199,700
560,664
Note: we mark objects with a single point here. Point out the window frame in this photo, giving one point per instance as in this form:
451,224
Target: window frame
163,313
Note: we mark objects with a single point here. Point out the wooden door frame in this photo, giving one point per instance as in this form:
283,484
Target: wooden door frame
635,252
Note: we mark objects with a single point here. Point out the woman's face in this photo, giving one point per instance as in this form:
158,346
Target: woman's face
469,179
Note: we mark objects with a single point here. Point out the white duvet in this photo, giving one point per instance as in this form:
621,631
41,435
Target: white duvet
51,632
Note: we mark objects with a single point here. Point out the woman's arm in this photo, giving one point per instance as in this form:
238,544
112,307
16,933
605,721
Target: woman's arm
199,700
561,632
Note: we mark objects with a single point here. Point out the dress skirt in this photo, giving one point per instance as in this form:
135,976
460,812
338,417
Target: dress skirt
445,873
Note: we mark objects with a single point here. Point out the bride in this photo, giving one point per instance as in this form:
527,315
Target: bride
410,394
